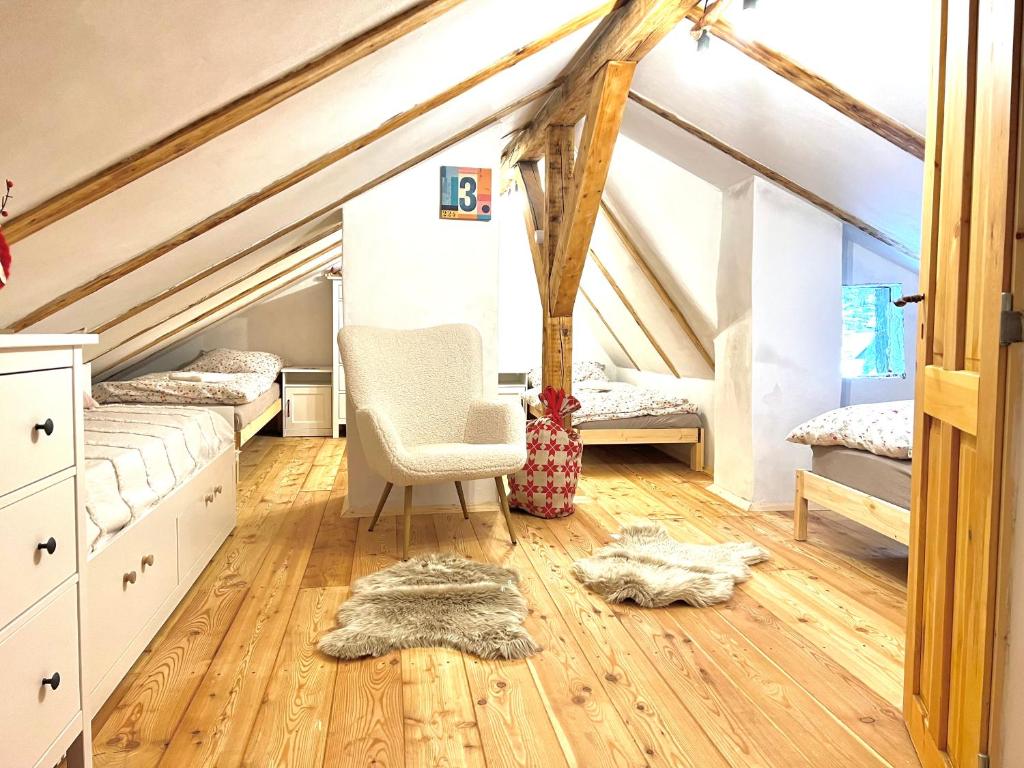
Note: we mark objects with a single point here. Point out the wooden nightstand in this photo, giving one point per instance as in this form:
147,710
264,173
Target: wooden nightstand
306,401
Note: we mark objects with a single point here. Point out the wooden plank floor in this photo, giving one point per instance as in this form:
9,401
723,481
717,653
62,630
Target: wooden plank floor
802,667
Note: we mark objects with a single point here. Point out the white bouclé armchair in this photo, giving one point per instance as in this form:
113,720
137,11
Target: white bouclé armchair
420,416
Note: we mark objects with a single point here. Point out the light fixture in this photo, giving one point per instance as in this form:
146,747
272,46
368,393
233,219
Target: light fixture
704,41
749,5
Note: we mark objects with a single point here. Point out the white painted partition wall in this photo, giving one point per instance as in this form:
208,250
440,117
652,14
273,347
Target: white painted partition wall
779,294
405,267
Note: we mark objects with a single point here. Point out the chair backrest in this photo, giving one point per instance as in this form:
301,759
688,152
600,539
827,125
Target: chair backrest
423,379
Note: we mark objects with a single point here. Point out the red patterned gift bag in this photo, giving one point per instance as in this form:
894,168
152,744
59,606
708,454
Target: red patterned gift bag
546,484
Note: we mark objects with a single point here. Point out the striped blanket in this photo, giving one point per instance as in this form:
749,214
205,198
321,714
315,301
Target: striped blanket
135,455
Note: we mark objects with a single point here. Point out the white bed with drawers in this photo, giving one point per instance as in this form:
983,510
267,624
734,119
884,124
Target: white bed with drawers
106,520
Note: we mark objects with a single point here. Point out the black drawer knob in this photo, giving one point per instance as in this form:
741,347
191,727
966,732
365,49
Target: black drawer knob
50,545
53,682
46,426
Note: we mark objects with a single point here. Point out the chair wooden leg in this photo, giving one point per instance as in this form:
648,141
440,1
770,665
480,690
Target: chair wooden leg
408,522
800,509
380,504
499,483
462,499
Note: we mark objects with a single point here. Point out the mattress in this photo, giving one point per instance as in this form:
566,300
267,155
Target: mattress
136,455
660,421
245,413
879,476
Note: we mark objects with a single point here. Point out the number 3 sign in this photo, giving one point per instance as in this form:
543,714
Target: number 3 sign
465,193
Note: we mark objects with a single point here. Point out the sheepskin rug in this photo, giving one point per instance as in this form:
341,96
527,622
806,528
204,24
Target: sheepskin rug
436,600
652,569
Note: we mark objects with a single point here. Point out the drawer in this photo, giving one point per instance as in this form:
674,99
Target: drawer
118,607
205,514
28,399
26,571
32,714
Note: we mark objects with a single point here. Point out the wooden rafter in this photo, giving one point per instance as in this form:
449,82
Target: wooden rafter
303,173
234,283
638,258
128,314
635,315
307,268
532,193
772,175
604,115
422,156
221,120
627,34
878,122
608,327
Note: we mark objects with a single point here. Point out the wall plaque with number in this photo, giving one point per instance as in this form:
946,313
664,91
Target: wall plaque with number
465,193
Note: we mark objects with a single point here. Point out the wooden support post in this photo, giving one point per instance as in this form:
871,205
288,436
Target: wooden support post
557,345
604,115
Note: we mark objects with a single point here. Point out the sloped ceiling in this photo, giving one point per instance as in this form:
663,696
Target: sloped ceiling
91,83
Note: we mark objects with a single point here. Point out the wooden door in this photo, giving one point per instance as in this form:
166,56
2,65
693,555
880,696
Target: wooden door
971,177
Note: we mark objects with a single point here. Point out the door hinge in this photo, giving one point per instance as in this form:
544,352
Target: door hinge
1011,322
982,761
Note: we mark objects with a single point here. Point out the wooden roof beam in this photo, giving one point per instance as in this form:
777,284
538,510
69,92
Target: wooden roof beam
634,314
301,174
590,172
638,258
237,281
223,119
879,123
772,175
608,328
425,155
627,34
305,268
532,193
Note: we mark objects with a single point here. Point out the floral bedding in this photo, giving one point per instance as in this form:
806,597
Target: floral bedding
884,429
217,377
585,370
161,389
605,400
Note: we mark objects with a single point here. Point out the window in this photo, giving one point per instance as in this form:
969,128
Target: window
872,332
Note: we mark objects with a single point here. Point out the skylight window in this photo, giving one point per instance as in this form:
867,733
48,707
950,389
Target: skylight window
872,332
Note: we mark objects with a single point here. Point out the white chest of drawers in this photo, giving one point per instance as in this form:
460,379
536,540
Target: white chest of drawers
42,551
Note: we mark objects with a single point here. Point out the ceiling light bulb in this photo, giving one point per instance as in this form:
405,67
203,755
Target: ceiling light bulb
703,41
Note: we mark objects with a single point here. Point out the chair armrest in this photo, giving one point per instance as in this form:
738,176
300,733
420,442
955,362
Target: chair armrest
495,423
380,440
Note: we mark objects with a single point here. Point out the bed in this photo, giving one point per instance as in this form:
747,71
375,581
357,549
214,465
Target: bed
159,495
244,380
860,467
619,413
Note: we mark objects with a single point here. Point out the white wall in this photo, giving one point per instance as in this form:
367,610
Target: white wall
777,349
797,332
733,424
865,261
295,324
407,268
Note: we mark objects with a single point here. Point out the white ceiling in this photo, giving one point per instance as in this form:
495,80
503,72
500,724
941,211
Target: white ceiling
93,81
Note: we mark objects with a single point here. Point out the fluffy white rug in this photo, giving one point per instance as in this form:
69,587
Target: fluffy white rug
436,600
652,569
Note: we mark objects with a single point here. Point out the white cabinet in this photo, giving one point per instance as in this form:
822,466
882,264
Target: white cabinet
307,401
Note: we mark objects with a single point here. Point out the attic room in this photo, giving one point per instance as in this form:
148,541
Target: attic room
488,383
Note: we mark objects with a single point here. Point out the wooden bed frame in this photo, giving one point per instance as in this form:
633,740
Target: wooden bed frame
692,436
878,515
249,430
